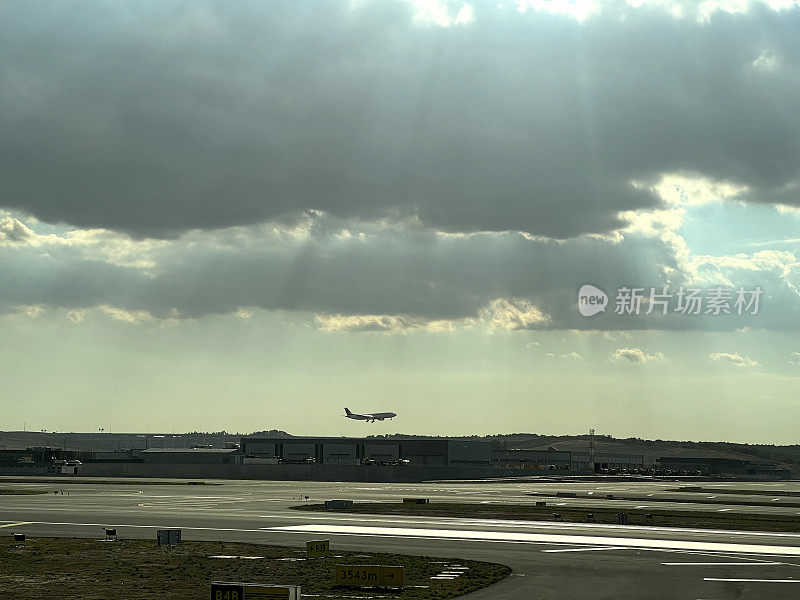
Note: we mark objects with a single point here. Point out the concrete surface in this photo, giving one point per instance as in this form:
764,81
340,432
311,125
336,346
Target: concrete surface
549,560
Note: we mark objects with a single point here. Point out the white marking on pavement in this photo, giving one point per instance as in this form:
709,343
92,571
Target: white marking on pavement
510,536
588,549
753,580
506,524
120,525
707,564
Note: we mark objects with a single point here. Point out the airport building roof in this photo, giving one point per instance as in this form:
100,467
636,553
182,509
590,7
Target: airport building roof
188,450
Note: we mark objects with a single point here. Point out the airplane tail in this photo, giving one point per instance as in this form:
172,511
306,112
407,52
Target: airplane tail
347,411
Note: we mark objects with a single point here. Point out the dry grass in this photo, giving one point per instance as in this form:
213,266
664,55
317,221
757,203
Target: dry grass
45,568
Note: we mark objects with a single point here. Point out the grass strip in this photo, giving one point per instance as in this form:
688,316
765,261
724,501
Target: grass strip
137,570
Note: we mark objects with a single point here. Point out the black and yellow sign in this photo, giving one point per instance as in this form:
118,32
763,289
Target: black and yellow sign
268,593
369,576
318,548
392,576
358,575
245,591
227,591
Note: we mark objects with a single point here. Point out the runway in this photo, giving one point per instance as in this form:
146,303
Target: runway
549,560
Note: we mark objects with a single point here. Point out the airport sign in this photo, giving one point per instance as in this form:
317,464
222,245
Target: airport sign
317,548
392,576
250,591
369,575
168,537
358,575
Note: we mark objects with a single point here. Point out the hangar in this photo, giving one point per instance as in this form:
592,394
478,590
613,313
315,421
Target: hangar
356,451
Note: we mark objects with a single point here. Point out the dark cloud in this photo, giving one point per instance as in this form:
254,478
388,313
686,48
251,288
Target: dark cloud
384,277
157,118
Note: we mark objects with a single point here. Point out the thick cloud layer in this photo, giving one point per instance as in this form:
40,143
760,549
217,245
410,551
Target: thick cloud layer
156,118
381,277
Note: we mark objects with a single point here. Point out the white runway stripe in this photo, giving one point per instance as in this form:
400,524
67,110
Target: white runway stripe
19,523
542,538
717,564
587,549
753,580
506,524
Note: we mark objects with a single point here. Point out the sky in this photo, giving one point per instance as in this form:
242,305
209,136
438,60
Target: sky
247,216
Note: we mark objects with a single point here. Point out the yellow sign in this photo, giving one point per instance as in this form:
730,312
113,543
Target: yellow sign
318,548
392,576
227,592
268,593
369,576
358,575
245,591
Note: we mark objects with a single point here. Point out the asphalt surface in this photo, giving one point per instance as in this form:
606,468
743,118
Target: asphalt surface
549,560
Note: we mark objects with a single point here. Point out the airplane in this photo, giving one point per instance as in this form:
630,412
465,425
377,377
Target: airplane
369,416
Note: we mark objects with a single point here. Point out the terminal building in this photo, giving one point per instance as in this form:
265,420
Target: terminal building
364,459
359,451
725,467
565,460
606,461
552,460
203,456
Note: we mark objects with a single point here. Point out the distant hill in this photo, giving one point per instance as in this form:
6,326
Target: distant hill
109,442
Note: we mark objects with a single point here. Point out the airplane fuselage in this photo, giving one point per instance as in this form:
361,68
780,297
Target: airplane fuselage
369,417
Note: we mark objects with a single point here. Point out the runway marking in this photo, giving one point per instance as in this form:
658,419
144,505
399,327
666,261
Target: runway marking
121,525
527,524
16,524
714,564
486,537
588,549
753,580
288,530
641,543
